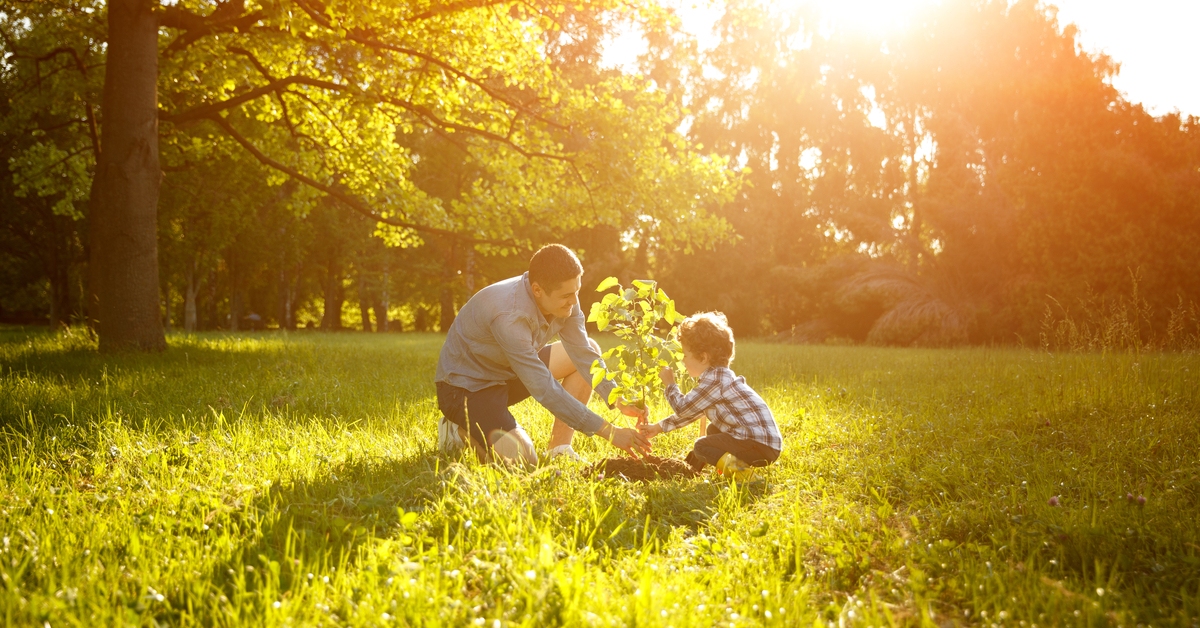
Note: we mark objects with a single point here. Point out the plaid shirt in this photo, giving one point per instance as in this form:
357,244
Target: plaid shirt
731,405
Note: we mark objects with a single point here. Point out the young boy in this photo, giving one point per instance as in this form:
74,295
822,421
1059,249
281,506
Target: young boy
742,432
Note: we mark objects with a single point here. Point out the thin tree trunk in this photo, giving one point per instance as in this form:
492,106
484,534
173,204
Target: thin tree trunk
335,295
124,203
381,307
364,301
189,297
235,293
447,295
285,298
447,307
470,272
60,295
364,311
166,308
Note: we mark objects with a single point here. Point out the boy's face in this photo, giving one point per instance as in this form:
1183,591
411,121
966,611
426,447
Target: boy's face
695,363
559,302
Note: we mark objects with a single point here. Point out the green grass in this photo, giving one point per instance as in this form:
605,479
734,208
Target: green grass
291,479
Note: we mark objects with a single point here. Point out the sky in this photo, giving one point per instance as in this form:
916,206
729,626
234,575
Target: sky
1157,44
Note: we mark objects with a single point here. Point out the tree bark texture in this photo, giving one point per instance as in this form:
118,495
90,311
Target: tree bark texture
124,203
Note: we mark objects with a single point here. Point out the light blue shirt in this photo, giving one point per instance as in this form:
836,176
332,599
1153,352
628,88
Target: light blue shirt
496,337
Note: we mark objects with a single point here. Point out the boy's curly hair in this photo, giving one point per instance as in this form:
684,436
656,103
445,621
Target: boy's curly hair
708,332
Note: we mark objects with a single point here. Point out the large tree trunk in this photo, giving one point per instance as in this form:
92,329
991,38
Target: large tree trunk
124,201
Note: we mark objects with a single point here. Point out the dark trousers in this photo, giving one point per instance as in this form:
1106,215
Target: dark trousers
710,448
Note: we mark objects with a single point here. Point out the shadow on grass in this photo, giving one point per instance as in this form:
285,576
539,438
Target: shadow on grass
312,527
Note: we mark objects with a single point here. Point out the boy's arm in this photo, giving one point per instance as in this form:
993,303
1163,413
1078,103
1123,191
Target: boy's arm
691,406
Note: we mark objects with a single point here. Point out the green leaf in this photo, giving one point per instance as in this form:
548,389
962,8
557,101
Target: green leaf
607,283
597,377
643,284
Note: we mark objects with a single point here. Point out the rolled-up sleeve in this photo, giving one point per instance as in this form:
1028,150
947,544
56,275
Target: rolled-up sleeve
575,341
516,339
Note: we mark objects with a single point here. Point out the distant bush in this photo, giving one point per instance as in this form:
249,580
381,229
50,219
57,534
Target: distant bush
1123,324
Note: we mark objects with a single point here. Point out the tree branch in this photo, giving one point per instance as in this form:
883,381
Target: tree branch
347,199
204,112
227,17
366,38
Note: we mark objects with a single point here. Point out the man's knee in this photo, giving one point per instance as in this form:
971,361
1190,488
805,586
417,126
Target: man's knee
515,446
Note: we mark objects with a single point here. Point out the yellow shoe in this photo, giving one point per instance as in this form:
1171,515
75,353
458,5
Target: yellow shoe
731,467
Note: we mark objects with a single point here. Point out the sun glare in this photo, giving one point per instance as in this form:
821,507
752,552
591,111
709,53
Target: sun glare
874,17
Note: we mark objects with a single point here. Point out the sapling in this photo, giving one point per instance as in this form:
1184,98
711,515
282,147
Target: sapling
645,320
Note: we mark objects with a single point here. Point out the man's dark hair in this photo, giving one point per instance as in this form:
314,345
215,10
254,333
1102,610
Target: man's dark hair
552,265
709,333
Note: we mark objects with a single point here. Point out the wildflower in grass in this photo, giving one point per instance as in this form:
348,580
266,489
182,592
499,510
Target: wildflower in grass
1141,500
1054,501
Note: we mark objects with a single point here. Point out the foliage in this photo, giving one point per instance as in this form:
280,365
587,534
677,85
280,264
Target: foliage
637,315
202,486
985,154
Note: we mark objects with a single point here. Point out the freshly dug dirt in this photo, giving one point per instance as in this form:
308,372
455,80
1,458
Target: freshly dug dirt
643,470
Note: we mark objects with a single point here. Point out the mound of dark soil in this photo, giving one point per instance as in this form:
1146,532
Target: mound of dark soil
642,470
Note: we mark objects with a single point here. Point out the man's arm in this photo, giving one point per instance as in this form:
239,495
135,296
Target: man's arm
575,341
516,339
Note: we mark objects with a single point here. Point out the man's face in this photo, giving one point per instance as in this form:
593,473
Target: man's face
558,303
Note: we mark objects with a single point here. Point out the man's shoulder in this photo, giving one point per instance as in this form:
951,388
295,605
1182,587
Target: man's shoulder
504,299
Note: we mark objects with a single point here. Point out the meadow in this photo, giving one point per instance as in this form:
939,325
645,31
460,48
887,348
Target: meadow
292,479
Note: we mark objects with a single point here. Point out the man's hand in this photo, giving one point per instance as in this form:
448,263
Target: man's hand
634,411
650,430
667,376
629,441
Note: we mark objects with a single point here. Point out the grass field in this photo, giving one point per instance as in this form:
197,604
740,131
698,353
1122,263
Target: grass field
292,480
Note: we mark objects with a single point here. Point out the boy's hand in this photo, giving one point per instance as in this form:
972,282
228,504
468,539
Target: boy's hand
667,376
650,430
634,411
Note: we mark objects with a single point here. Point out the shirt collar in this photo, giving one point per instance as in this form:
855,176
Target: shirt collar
537,312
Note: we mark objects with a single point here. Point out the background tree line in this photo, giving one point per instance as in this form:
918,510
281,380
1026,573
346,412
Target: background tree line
932,187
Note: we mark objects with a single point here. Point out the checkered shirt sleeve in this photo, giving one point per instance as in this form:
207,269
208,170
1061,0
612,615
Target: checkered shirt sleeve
729,402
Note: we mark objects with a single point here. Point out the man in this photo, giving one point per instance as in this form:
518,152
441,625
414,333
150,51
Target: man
496,354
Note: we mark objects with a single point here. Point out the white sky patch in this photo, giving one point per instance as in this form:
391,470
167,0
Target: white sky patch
1155,41
810,158
699,19
875,115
